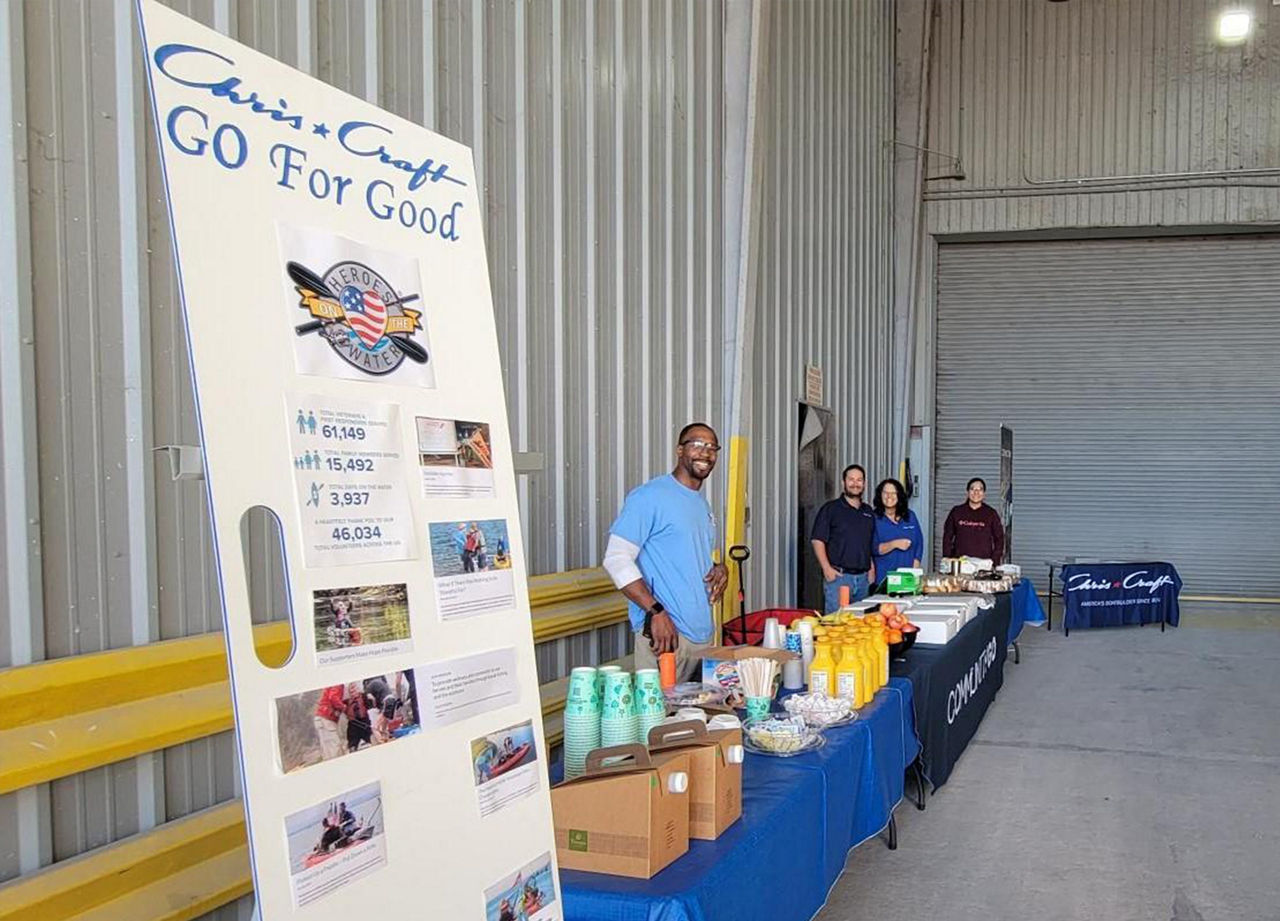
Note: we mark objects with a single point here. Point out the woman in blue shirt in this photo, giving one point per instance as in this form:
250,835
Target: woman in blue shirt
899,542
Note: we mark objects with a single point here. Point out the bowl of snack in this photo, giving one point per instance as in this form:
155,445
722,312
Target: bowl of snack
780,736
819,710
693,694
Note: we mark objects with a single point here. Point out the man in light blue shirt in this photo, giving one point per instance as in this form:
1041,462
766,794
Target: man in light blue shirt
659,556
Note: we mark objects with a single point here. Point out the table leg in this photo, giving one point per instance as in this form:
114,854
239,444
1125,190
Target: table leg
893,833
917,774
1048,620
1017,653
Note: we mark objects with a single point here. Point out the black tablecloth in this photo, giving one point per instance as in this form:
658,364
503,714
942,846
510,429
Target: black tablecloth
954,684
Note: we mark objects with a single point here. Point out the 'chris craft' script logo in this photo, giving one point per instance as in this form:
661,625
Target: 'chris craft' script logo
1084,582
203,69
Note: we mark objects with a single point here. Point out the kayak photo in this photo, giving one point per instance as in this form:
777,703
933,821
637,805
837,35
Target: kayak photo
455,458
341,719
524,895
503,764
335,842
360,621
471,562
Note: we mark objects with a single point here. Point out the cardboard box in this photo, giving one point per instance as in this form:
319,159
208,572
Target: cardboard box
720,664
965,605
623,818
715,773
936,629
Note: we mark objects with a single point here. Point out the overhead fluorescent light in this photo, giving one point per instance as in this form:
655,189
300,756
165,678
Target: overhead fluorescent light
1234,26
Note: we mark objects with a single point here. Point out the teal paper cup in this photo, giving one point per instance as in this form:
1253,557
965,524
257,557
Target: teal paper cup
618,696
758,707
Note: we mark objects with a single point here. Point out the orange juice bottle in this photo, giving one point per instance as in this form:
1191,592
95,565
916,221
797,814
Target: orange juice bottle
822,671
849,678
869,671
882,656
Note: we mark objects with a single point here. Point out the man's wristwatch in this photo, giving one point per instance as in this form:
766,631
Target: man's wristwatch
648,618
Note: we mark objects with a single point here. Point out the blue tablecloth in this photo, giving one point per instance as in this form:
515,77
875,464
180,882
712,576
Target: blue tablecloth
1113,594
802,814
1026,608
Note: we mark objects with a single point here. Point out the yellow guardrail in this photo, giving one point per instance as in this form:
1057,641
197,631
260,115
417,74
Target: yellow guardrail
183,869
47,731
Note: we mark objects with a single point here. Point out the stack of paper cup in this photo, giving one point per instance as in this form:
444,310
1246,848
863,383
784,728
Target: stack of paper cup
581,720
601,673
619,724
651,706
806,645
772,634
793,671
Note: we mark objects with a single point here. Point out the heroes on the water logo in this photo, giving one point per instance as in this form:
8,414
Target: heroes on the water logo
362,317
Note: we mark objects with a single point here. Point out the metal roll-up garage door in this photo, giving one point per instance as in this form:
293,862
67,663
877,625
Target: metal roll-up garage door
1142,380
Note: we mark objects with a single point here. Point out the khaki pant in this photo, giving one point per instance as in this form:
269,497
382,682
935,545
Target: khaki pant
330,740
688,657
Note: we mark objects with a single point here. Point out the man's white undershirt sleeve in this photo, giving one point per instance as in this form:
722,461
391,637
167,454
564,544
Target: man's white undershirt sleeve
620,561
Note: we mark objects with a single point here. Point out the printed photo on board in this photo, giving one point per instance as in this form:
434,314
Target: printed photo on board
362,621
471,562
356,311
525,895
340,719
456,458
504,764
335,842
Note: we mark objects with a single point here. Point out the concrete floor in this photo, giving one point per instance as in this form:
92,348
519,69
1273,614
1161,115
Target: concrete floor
1121,775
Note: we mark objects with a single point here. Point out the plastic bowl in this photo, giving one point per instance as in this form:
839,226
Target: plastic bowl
908,640
792,736
838,713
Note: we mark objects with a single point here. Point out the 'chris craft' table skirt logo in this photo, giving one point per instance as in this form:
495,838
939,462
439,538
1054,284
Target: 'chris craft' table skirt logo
360,315
1085,582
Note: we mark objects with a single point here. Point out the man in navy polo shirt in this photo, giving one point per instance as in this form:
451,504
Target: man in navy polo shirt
843,533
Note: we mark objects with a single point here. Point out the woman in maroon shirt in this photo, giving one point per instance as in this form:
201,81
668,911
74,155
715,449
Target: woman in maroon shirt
974,528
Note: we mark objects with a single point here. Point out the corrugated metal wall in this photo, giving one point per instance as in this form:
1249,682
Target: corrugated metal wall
824,290
1051,106
1089,118
598,131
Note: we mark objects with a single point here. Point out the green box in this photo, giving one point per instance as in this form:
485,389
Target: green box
903,582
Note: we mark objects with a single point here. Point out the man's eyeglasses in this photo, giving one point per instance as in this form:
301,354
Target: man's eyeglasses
701,446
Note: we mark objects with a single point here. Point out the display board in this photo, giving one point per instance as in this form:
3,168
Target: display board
345,358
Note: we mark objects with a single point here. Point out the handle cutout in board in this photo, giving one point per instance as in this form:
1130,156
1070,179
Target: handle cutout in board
267,576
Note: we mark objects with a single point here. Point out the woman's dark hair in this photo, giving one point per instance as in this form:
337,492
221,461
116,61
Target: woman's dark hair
901,508
977,479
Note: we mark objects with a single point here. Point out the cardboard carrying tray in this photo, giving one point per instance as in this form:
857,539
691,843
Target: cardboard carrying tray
715,773
622,818
720,664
